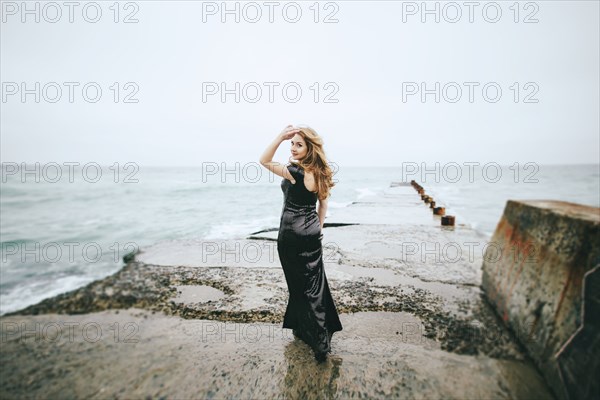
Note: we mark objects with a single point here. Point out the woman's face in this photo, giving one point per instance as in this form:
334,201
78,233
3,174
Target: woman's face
299,149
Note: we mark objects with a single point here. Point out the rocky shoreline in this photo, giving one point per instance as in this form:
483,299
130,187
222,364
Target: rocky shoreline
152,288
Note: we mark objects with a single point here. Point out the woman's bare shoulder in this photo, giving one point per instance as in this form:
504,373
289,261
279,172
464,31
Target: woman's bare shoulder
309,181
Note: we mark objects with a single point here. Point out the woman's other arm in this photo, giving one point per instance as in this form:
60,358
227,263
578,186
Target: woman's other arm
322,211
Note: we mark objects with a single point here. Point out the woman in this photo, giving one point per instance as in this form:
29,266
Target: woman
311,312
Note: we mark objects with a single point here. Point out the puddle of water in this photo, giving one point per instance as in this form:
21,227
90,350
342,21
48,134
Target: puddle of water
197,294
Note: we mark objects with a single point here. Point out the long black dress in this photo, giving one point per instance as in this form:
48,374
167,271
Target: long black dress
311,311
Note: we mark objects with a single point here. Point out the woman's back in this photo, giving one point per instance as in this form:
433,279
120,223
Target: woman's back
296,194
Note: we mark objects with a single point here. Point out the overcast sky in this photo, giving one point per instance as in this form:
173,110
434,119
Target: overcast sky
369,68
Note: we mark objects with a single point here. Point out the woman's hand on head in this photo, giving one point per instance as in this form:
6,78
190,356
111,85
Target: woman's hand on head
288,132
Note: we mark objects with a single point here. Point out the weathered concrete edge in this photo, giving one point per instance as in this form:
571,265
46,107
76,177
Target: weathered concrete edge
541,296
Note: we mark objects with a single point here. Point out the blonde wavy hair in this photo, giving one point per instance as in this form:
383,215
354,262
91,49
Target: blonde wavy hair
315,161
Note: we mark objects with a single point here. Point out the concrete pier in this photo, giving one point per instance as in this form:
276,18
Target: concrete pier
198,319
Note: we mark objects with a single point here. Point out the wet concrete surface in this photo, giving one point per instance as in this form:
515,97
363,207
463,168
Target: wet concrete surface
140,354
416,323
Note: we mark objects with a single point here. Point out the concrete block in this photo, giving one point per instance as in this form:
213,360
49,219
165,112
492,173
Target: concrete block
533,274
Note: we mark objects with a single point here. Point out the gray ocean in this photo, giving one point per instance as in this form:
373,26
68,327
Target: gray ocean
61,230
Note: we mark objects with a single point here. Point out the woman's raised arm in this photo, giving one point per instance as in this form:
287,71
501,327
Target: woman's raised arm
266,159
